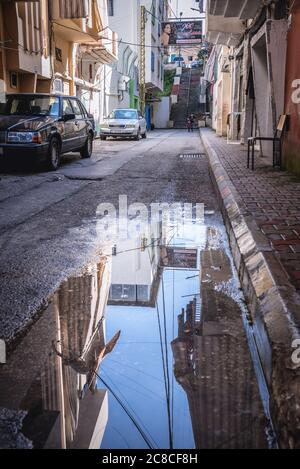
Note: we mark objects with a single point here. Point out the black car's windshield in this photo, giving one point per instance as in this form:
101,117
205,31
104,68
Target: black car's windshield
30,106
123,114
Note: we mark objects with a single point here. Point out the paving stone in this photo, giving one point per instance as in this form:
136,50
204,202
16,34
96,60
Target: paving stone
272,197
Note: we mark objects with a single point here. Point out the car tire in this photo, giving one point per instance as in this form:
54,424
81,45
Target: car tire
53,159
102,137
144,135
87,150
137,138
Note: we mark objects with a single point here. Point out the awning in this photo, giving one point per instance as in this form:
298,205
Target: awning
101,53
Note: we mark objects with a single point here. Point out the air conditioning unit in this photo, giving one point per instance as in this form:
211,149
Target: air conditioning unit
123,84
58,85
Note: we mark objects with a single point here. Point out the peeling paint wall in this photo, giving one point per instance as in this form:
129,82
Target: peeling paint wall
269,48
292,96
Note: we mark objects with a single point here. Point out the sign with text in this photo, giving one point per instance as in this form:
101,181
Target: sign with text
182,33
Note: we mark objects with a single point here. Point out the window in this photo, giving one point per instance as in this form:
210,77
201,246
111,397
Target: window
110,7
58,54
67,108
83,109
124,114
28,105
152,62
153,13
13,79
77,109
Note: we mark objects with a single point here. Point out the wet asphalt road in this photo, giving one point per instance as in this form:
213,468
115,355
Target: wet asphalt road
46,219
48,234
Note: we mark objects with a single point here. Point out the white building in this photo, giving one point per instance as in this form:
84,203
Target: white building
186,7
120,80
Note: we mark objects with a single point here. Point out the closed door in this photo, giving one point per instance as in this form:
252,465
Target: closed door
143,124
80,123
69,134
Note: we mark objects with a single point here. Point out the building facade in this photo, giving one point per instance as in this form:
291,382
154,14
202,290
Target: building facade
25,51
58,46
262,67
292,90
122,77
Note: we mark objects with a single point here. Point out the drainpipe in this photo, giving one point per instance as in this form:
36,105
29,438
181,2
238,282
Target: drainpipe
71,67
2,38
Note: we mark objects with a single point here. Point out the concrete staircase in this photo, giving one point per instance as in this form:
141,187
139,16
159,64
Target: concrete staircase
188,98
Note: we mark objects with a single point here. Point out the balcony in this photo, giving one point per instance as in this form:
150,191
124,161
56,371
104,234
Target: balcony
73,20
227,19
106,48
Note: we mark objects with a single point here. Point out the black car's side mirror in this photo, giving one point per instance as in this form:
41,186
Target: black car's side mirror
69,117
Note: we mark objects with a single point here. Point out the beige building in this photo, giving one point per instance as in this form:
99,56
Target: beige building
253,36
222,92
57,46
25,64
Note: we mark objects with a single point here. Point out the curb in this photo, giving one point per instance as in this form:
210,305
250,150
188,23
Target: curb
273,302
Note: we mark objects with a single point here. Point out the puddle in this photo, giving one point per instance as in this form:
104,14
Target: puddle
147,349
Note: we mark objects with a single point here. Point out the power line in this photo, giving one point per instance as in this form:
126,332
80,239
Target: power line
164,355
167,365
109,41
135,423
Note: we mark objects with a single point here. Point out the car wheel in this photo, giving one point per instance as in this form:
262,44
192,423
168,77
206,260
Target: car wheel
87,150
53,159
102,137
145,134
138,135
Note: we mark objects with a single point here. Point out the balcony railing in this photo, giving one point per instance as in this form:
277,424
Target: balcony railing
226,19
70,9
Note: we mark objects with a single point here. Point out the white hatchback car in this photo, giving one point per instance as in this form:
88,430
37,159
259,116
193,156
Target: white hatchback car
124,123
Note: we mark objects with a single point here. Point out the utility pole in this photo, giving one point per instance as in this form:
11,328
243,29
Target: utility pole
143,61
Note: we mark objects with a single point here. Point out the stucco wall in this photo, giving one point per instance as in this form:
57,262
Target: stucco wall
162,114
292,94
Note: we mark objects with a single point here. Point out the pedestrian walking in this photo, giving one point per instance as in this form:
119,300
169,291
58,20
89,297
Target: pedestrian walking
189,125
192,119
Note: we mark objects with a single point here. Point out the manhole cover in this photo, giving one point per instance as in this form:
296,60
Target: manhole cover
192,156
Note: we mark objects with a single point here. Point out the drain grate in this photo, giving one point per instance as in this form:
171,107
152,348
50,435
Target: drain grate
192,156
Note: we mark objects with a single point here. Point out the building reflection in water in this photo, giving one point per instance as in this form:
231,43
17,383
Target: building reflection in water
65,408
135,270
215,370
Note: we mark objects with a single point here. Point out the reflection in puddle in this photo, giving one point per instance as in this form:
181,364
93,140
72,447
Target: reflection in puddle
51,372
178,375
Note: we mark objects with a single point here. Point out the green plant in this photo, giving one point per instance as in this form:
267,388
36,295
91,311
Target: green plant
168,83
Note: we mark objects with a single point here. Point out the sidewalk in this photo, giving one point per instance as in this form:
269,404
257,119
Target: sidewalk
261,210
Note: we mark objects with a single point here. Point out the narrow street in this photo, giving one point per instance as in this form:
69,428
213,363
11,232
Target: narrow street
187,375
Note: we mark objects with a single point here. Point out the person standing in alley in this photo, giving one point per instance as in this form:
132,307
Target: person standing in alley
192,119
189,125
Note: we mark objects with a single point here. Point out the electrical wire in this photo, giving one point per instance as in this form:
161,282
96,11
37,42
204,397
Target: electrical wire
148,390
38,51
121,395
164,355
110,41
167,365
135,423
133,368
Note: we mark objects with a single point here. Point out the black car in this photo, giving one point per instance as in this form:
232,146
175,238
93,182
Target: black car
44,126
